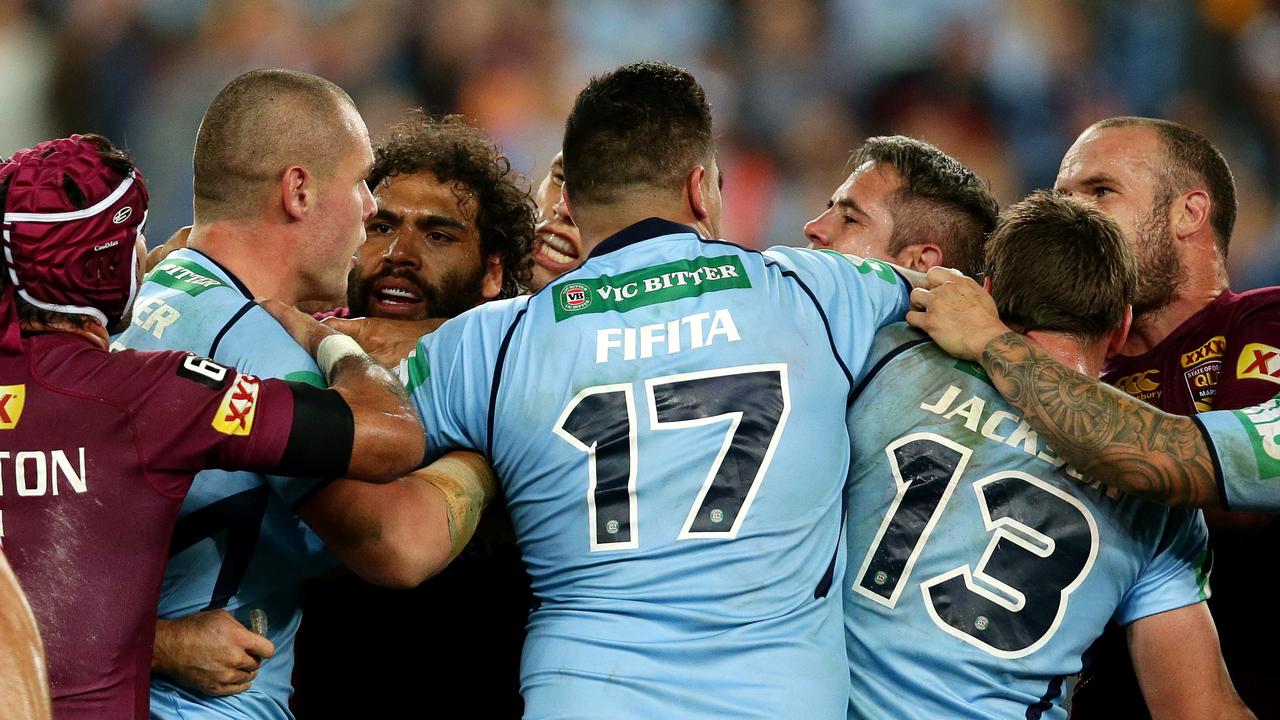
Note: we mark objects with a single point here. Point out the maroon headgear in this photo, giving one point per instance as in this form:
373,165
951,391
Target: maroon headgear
63,255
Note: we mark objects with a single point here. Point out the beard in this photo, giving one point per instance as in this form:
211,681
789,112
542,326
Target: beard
456,292
1160,272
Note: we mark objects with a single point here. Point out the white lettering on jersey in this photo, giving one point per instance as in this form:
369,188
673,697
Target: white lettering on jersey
32,475
970,412
154,315
662,282
668,338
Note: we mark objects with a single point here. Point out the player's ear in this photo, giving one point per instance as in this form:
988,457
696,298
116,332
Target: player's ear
699,203
1191,213
491,285
297,191
986,284
1120,333
919,257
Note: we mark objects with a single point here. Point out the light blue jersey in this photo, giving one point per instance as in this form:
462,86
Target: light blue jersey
668,425
1246,449
980,568
237,544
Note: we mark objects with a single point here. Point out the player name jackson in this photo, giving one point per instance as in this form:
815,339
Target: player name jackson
1000,425
667,338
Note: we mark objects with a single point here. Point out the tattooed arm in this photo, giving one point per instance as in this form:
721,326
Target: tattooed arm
1109,436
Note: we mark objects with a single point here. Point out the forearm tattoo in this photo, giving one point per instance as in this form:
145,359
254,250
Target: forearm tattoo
1107,435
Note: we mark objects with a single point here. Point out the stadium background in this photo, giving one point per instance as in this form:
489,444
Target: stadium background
1004,85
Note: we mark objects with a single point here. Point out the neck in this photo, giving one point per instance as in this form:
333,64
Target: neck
259,254
1068,350
1206,280
600,222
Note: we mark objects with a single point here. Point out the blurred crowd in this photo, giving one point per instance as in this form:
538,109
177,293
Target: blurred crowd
1002,85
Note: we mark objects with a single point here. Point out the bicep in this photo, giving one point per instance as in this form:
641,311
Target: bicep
1179,665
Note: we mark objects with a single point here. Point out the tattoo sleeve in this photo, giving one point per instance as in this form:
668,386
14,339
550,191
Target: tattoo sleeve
1109,436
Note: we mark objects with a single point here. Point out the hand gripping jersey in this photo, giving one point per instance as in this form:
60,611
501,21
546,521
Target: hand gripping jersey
237,543
97,450
980,568
667,424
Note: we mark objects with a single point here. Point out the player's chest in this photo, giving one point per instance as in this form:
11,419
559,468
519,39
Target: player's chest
1182,379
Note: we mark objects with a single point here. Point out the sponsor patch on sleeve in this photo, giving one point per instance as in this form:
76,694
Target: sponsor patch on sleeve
235,415
12,398
1259,362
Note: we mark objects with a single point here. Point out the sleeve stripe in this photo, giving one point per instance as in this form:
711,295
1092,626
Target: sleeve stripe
321,436
1218,476
497,379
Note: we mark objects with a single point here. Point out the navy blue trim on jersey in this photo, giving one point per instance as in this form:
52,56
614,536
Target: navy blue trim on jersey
644,230
826,324
875,369
824,585
1218,477
1036,711
497,378
217,339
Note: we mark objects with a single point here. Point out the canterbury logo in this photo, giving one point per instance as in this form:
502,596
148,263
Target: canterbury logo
1259,362
235,414
1138,383
122,215
1214,348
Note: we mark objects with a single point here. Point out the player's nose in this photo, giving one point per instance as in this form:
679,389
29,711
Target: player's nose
814,232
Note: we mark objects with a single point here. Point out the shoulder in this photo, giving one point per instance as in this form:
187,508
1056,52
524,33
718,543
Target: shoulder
256,343
829,260
488,320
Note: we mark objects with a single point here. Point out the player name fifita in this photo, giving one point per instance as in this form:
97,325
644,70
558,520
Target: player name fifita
667,338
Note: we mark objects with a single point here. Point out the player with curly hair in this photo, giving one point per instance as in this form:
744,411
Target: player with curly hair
453,226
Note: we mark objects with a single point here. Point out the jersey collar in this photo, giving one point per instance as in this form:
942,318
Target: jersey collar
646,229
235,281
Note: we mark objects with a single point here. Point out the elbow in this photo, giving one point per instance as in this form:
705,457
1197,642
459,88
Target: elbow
387,449
401,568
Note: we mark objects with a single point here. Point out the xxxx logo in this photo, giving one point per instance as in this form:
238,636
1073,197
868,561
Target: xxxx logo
235,414
1259,362
1213,348
1139,384
12,398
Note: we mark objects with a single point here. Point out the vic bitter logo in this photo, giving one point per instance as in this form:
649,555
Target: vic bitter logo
575,296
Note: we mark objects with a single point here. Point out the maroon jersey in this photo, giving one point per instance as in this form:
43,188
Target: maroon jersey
97,450
1225,357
